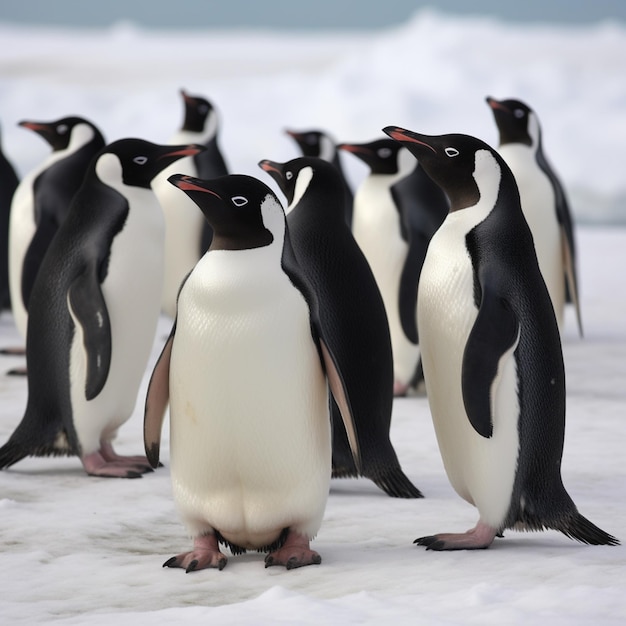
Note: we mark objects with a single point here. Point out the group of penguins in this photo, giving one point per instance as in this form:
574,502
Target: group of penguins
295,327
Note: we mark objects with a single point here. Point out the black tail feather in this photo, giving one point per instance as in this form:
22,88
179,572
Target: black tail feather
581,529
396,484
10,453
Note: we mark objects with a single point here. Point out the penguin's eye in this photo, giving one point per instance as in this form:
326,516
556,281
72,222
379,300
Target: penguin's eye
384,153
239,200
519,113
289,175
451,152
140,160
62,129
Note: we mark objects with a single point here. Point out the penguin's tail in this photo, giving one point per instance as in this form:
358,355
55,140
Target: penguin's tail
12,452
395,483
581,529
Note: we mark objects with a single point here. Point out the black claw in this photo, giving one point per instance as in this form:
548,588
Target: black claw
221,564
170,562
425,541
437,545
192,566
317,559
269,560
132,474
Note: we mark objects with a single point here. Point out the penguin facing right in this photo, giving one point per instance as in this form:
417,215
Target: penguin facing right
544,202
351,315
250,450
397,209
42,200
317,143
8,184
94,312
491,351
187,234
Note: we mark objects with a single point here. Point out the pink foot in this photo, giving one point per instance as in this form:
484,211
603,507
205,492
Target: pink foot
14,351
295,552
477,538
109,454
399,389
205,553
97,464
17,371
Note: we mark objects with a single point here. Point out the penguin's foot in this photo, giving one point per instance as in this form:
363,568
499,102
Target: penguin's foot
109,454
205,554
400,389
295,552
477,538
13,351
17,371
96,464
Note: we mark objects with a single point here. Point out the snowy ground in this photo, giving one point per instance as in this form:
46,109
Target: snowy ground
79,550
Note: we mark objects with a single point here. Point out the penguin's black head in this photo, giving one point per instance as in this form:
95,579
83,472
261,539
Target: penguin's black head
381,155
310,142
197,110
294,177
450,160
234,206
58,133
515,121
141,161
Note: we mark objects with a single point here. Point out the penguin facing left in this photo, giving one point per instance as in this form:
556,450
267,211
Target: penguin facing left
350,314
8,184
187,234
491,351
317,143
42,200
93,313
250,447
544,201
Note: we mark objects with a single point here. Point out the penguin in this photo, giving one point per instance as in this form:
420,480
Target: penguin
350,313
491,351
544,202
187,233
397,208
8,184
250,448
317,143
93,313
42,199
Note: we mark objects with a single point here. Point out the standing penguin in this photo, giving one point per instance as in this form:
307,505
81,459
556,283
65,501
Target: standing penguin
250,443
491,351
543,199
397,209
8,185
351,315
187,234
42,200
317,143
93,313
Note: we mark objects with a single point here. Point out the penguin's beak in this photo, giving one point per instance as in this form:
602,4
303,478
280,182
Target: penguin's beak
188,183
37,127
191,150
270,166
496,104
406,136
352,147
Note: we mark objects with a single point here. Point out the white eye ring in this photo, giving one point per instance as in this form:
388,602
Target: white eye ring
384,153
451,152
289,175
518,113
140,160
239,200
62,129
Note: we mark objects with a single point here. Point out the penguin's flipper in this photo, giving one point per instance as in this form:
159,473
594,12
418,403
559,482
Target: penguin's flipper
89,312
34,256
409,279
570,277
495,332
157,399
337,387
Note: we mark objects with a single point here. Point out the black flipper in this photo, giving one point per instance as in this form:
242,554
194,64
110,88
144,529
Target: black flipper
495,331
90,312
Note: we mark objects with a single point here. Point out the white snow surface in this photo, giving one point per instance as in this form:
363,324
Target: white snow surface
78,550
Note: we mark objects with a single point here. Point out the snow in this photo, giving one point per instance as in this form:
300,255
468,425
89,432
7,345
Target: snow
80,550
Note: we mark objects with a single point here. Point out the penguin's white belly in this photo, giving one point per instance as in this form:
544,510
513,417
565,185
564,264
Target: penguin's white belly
538,206
21,230
183,232
132,291
481,470
250,432
376,228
